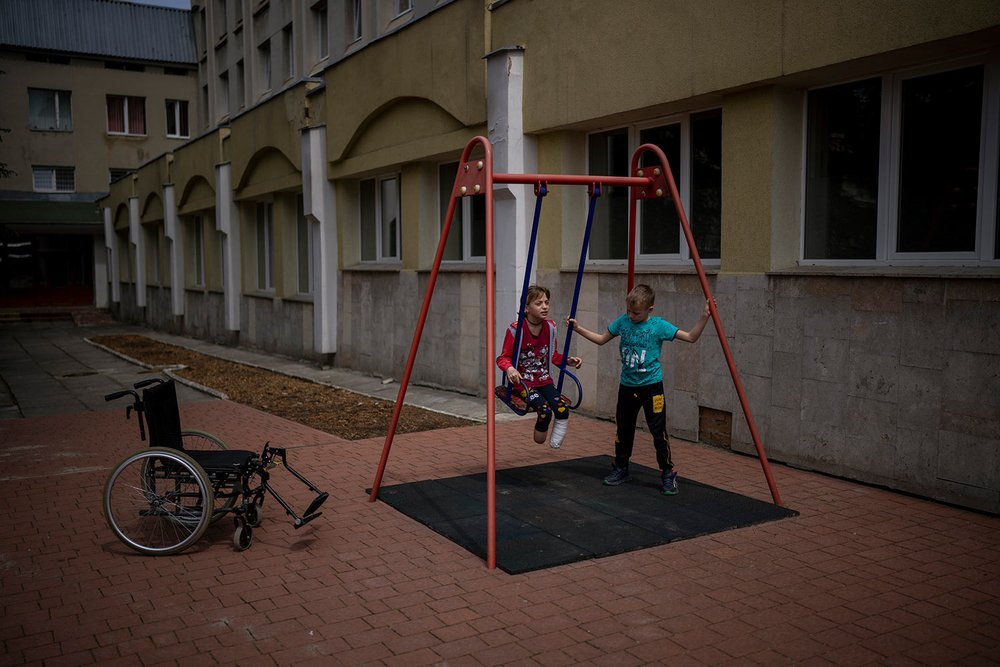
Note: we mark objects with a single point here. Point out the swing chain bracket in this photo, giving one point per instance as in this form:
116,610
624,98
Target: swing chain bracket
657,188
471,179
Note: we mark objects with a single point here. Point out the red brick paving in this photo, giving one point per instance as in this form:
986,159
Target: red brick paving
863,576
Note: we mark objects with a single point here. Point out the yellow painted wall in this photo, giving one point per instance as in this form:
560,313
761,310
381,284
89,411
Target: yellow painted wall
654,55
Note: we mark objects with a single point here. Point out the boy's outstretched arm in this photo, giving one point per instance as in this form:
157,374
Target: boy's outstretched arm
600,339
695,333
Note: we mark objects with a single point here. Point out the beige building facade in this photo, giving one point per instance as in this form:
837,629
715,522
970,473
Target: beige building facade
84,109
838,163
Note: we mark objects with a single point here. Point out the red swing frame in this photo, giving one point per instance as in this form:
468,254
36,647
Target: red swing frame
477,178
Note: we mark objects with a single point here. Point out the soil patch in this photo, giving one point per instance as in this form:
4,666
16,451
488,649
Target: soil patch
343,413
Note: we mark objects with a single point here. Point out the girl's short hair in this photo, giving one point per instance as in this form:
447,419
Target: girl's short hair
535,291
641,296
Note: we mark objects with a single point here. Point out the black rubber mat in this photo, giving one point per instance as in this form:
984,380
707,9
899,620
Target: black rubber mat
557,513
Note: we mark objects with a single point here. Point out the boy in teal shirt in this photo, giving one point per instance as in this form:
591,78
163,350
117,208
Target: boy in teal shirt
642,379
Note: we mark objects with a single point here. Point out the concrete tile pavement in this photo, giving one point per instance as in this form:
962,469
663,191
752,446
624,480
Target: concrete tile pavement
862,576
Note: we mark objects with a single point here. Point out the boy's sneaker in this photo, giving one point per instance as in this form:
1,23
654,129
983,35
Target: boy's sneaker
618,475
669,481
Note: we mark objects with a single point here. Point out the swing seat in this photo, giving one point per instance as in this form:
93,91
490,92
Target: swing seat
506,396
517,404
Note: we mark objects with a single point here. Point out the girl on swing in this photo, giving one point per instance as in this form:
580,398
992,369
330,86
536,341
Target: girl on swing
532,379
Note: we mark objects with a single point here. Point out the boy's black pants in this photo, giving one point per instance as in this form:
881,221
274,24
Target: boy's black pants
651,400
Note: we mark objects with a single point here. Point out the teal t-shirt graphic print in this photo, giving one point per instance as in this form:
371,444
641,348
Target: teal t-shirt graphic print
639,345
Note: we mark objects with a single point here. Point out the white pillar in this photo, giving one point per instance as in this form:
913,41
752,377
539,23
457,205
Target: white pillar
100,274
111,243
136,239
513,153
227,221
176,237
319,204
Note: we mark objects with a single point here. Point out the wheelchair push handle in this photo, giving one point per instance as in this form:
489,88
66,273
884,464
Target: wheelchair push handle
115,395
136,405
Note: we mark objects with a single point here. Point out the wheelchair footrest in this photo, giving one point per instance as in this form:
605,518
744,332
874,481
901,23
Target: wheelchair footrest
311,512
314,505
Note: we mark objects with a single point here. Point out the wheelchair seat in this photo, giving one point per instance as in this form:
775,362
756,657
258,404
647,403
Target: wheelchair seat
164,421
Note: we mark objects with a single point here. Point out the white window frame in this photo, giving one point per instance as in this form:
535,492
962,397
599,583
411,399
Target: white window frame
682,173
357,25
403,6
466,212
265,226
53,173
175,106
61,99
264,58
321,15
890,138
288,44
379,257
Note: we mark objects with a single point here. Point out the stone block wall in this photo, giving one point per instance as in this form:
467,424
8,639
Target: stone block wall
889,380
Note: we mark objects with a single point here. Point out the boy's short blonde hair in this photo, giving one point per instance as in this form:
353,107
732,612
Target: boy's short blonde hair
535,291
641,297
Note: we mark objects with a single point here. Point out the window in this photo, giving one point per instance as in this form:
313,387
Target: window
54,179
303,237
223,99
203,112
114,173
220,19
264,65
240,85
152,233
126,115
238,13
894,169
46,58
319,12
692,144
49,110
265,246
124,66
467,238
380,219
177,119
354,20
198,250
403,6
289,45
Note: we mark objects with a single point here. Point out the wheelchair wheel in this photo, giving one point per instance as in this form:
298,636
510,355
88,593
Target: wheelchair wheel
155,501
255,513
243,537
200,440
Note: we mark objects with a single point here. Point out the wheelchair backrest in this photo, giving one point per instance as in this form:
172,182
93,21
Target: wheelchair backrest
159,402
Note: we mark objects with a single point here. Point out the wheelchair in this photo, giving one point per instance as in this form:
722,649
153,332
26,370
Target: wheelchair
161,500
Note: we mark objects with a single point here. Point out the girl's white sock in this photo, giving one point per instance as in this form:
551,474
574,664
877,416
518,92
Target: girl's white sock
558,433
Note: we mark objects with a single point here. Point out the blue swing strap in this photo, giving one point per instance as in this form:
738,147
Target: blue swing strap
594,191
505,391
